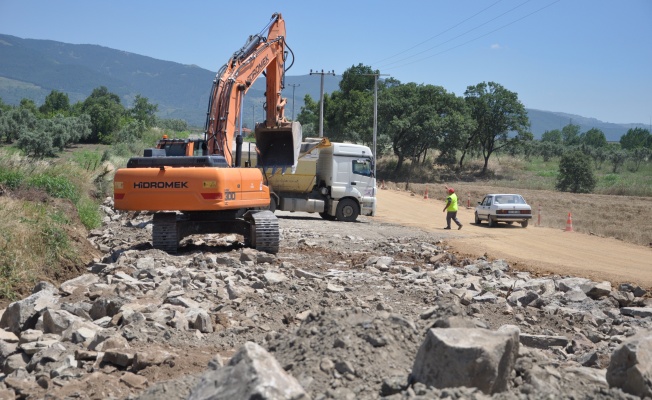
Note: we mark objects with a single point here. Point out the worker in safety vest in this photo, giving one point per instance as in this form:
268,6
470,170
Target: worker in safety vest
451,209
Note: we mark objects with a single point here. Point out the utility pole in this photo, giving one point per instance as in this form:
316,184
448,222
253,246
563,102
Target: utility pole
321,99
294,86
375,114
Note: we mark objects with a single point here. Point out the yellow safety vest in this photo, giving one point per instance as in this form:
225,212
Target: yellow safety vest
453,205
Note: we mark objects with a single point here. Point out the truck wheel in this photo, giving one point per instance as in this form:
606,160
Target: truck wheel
327,216
347,210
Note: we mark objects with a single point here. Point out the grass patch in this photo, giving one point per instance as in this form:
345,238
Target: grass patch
43,204
89,213
56,186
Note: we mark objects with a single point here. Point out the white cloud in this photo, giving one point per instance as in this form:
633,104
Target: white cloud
496,46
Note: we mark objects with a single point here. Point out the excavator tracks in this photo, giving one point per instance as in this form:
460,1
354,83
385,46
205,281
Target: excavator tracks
259,229
264,232
165,234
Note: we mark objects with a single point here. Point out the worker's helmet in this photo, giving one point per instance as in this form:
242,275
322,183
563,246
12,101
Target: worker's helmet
451,190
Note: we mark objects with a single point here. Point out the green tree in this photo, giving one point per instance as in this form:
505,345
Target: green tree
617,158
309,116
105,111
570,135
4,107
358,78
14,122
55,103
36,142
553,136
143,111
29,105
594,137
599,156
549,150
497,113
575,173
636,137
639,155
177,125
421,117
396,111
348,112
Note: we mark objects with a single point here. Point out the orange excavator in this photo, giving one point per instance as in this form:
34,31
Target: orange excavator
196,186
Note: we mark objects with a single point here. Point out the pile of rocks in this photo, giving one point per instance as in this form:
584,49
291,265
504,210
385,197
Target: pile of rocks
356,315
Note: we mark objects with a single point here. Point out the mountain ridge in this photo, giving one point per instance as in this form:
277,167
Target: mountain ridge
32,68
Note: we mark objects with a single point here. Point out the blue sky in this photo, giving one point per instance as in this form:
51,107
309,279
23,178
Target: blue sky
587,57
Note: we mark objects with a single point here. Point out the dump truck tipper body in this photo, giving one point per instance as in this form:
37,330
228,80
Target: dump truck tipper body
333,179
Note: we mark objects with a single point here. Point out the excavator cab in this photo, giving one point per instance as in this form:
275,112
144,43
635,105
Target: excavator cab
278,147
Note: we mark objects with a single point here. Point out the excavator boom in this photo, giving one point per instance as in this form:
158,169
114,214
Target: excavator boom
277,139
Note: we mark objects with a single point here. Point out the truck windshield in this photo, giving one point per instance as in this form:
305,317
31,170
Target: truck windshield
362,167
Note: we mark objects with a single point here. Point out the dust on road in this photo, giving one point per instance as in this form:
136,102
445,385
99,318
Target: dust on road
536,249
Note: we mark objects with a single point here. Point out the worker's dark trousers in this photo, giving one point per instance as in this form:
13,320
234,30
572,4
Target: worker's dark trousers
452,215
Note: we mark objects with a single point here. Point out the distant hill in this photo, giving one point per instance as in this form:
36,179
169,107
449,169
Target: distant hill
32,68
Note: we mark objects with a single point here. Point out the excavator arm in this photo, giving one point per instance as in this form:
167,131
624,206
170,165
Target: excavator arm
277,140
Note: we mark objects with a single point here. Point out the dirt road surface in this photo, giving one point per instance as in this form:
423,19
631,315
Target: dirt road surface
536,249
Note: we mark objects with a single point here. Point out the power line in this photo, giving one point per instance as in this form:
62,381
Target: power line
458,36
437,35
476,38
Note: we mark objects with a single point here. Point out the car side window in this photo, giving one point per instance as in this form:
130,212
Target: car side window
487,201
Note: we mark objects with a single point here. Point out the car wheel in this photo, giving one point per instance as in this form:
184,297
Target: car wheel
347,210
524,224
477,219
491,221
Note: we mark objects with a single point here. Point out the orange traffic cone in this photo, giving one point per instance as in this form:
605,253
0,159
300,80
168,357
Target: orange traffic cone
569,224
425,196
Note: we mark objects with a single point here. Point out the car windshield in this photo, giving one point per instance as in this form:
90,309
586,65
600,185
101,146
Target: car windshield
509,199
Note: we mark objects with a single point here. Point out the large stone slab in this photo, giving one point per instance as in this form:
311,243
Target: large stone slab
252,373
630,368
456,357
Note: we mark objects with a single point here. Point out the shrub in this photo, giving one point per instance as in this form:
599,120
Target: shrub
575,173
56,186
11,179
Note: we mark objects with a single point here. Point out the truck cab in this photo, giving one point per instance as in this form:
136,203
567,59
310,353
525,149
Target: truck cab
347,170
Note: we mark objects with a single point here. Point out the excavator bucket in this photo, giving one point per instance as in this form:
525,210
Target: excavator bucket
278,147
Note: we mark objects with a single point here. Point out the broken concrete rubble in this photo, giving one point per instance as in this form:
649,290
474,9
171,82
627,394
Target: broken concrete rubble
343,318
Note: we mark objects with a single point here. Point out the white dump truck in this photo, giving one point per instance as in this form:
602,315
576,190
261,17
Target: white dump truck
333,179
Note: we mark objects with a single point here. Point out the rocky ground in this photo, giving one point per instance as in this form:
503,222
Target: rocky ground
343,311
